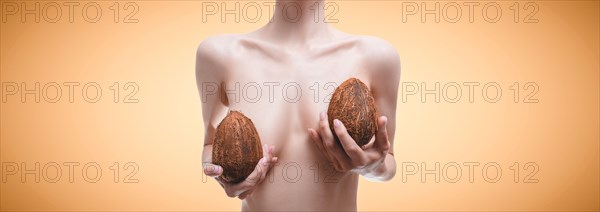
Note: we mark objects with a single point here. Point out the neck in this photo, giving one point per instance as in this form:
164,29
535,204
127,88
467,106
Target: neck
294,22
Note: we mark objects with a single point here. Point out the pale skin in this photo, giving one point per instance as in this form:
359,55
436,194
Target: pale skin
285,73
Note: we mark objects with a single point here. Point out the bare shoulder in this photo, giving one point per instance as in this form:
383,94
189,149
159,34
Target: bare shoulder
216,48
213,56
379,56
375,43
381,63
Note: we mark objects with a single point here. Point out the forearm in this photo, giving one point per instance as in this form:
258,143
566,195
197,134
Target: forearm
385,171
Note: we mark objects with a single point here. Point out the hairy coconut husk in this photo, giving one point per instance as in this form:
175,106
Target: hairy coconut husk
353,104
237,147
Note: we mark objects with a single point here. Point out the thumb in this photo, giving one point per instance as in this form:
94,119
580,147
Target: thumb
213,170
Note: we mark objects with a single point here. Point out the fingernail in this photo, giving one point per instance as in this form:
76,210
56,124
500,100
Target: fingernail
337,123
322,115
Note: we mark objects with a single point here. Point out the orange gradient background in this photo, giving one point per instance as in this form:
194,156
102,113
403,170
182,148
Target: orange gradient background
162,133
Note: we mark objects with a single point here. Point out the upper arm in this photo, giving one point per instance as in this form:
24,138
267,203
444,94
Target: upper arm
210,73
383,64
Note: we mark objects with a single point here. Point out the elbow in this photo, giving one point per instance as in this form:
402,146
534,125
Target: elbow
381,178
388,175
385,172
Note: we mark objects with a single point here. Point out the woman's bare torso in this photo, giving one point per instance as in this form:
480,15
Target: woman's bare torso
283,90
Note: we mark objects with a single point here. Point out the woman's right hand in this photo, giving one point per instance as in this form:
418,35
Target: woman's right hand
246,187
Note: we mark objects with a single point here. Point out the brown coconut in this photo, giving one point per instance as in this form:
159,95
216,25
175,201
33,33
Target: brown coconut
236,147
353,104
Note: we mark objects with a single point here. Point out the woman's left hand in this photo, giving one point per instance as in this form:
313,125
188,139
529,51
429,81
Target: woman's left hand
349,156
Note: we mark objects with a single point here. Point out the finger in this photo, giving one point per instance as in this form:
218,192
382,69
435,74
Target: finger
266,165
381,139
324,130
235,190
272,152
340,159
212,170
257,175
261,169
368,145
330,145
353,151
314,136
266,151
